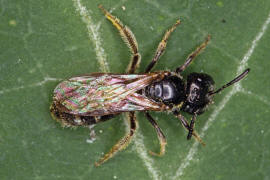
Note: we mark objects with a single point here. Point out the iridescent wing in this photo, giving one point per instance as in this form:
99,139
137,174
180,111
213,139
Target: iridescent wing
100,94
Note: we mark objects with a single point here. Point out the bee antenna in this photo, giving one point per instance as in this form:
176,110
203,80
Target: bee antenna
238,78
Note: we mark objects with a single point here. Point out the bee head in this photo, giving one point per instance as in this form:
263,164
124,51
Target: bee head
200,91
199,85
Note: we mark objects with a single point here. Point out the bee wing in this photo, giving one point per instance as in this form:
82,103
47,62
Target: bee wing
100,94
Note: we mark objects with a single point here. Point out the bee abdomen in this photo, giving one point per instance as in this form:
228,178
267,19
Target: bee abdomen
71,120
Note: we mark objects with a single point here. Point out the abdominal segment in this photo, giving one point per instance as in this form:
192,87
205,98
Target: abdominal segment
71,120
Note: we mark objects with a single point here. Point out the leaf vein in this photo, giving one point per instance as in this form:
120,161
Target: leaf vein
93,32
41,83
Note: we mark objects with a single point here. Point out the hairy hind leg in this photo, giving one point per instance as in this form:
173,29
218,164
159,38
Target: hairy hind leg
128,38
122,143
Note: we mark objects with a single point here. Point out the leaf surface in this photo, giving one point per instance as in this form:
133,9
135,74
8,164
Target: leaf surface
44,42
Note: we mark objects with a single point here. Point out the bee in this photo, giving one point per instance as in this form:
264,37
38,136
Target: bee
90,99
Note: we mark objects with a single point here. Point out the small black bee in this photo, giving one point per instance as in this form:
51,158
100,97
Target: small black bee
94,98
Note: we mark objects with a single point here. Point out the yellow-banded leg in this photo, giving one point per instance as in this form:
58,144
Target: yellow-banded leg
128,38
191,57
122,143
161,136
161,47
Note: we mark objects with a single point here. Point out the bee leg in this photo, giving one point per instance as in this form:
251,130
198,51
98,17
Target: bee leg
122,143
161,47
161,137
191,57
128,38
185,125
191,126
134,63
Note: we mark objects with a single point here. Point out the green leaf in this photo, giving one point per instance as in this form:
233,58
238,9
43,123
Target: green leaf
44,42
